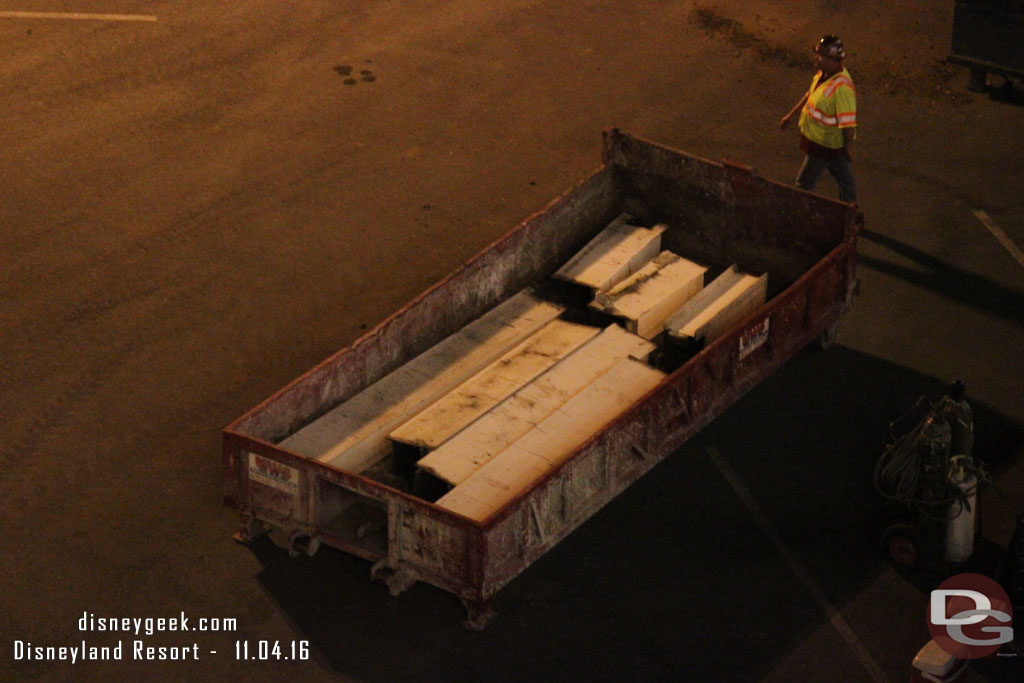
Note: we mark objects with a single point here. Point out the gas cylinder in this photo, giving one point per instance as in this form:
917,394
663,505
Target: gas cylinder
936,437
960,518
957,412
934,485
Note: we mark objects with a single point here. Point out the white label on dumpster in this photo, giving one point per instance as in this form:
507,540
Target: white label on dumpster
754,337
274,474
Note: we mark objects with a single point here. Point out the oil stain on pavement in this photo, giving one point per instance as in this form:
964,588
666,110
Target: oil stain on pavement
347,71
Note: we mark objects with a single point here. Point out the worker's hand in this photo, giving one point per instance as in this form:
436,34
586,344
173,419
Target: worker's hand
784,123
849,135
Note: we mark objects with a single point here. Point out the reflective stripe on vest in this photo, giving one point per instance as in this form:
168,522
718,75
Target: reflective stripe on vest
830,109
821,117
836,82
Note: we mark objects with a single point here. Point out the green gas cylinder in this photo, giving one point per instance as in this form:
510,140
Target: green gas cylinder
934,486
957,412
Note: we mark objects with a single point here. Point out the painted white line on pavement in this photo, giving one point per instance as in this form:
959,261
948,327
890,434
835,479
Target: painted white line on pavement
836,619
1003,238
76,15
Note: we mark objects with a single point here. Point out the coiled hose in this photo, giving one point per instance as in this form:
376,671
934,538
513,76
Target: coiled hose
898,471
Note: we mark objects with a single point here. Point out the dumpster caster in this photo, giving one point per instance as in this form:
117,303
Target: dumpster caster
367,528
827,336
397,580
900,544
978,80
303,545
479,614
249,530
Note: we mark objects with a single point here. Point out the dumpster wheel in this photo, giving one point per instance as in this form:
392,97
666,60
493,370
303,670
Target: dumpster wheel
828,335
249,529
900,544
301,544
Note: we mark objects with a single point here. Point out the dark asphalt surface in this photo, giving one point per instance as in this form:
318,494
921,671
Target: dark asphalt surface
198,209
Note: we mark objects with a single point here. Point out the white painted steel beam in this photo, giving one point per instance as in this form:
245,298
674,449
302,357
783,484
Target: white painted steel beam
499,380
469,450
646,298
616,252
731,297
552,441
353,436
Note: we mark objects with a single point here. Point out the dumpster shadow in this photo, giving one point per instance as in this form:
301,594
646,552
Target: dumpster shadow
674,579
956,284
825,444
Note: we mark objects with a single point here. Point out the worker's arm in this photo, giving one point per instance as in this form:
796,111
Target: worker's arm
793,112
848,136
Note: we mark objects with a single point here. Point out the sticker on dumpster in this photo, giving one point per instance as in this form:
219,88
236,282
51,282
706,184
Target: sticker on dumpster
753,338
272,473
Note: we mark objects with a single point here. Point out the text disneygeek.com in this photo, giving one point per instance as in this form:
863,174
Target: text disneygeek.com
136,649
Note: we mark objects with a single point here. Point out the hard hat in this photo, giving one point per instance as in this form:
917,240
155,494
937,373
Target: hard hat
832,47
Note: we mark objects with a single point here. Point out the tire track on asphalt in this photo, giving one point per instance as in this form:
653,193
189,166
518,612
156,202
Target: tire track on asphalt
68,404
159,241
63,331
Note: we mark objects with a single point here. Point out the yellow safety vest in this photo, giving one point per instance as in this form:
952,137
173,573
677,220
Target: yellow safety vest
831,106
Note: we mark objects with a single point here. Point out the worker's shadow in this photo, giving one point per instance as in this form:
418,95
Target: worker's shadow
689,574
940,277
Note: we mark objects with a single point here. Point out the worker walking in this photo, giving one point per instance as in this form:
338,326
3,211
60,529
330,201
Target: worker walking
828,121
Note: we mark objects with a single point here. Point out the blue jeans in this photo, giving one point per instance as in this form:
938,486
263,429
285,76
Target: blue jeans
839,168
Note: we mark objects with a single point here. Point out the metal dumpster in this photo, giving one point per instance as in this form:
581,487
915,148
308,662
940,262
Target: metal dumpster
988,37
719,213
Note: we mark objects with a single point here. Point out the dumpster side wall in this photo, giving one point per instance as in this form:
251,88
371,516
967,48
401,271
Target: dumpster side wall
721,212
514,261
807,236
990,31
664,420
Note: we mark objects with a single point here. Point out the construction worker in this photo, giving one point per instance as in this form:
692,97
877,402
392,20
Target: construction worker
828,121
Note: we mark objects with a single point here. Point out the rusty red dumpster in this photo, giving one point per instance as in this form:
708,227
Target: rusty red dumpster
721,214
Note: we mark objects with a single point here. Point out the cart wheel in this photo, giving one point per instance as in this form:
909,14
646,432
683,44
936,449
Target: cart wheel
900,544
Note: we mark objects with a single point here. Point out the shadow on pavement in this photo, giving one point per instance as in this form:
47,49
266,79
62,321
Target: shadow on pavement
947,280
673,579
